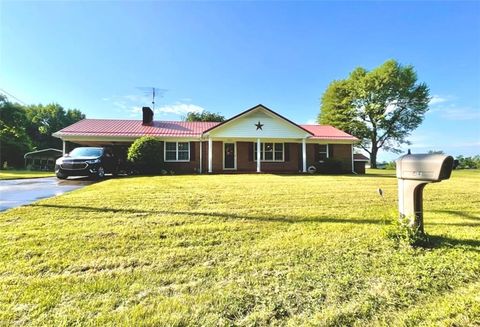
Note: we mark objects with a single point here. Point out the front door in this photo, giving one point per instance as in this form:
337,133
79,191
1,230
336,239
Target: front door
229,156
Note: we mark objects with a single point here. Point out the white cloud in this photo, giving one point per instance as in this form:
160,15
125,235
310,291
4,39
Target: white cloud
131,103
455,113
436,99
135,111
443,106
120,104
179,109
311,121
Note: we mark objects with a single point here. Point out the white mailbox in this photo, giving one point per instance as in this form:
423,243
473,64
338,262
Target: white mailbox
414,171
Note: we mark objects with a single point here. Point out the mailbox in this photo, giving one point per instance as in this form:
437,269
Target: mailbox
414,171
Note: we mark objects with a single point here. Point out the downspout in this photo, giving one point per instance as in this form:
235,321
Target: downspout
353,167
201,156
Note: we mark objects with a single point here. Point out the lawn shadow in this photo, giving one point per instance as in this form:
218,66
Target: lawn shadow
456,224
333,175
438,241
226,216
461,214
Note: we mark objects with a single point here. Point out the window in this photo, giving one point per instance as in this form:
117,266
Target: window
177,151
269,152
322,152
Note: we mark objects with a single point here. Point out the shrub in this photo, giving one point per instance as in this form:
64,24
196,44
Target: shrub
403,235
146,155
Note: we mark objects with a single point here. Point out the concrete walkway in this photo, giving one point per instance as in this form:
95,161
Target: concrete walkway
18,192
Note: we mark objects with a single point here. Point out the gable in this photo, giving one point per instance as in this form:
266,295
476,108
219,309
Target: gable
245,126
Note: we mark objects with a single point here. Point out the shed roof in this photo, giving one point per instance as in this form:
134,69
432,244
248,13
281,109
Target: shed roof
44,152
360,157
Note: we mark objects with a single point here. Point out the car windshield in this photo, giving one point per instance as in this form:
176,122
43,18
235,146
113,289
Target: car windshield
86,152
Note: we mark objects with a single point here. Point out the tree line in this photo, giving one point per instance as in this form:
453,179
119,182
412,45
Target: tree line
28,128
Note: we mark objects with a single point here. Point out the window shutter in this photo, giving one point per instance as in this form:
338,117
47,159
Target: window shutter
192,151
317,149
330,151
287,151
250,151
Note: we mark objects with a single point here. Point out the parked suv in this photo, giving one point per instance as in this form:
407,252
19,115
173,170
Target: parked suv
87,161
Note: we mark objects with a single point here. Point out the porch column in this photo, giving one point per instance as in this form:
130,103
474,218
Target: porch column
258,156
304,155
201,157
210,155
64,149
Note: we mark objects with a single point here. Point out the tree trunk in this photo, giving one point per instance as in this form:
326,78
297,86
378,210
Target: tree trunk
373,156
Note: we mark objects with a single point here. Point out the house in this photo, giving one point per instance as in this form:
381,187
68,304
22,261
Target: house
256,140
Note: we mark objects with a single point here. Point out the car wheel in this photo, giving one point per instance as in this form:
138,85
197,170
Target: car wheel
100,172
61,176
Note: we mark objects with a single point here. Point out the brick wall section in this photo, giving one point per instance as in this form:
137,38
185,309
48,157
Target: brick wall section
217,154
343,153
245,162
310,154
184,167
244,158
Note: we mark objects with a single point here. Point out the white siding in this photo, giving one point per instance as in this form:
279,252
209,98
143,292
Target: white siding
273,127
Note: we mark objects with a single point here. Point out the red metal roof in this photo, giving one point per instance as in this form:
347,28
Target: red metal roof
328,132
134,128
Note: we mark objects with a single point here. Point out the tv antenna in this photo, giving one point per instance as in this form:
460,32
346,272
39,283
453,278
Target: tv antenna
153,91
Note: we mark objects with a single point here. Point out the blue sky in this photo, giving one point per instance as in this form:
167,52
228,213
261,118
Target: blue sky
229,56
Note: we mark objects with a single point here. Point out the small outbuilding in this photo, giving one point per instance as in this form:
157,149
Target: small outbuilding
359,162
42,159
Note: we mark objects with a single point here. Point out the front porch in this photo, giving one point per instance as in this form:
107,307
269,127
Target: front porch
293,156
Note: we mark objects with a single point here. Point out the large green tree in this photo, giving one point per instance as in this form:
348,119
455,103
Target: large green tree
204,116
14,141
27,128
43,120
381,107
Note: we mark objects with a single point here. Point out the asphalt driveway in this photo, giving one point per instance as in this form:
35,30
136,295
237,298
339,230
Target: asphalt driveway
17,192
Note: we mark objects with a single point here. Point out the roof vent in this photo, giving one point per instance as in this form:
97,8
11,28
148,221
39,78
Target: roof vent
147,116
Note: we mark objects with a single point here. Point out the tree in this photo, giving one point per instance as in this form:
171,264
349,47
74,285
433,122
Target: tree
204,116
14,141
468,162
381,107
43,120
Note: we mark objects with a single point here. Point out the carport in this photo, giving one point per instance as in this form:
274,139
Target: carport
42,159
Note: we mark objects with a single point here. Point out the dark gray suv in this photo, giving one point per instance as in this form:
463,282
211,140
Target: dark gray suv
87,161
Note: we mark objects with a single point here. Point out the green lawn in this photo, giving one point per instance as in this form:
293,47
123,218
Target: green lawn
17,174
240,250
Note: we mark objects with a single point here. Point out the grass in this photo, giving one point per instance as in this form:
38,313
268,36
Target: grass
240,250
18,174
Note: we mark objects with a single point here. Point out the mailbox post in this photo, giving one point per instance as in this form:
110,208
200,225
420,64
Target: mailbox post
414,171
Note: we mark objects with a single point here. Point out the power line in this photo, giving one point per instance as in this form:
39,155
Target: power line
12,96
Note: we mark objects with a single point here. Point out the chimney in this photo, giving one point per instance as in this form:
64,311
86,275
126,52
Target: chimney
147,116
